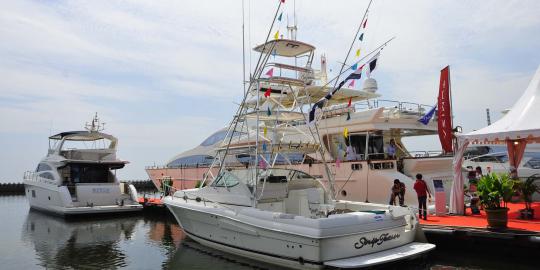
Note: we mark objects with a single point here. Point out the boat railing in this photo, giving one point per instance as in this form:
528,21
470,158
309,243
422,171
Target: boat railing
198,197
30,176
403,107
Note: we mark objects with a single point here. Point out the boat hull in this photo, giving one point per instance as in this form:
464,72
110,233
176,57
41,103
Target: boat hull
279,242
57,200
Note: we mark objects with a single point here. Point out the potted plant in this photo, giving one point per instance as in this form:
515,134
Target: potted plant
526,190
495,190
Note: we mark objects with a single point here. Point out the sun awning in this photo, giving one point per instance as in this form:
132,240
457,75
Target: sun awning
284,47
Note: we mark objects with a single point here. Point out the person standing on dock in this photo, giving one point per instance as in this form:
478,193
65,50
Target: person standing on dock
422,192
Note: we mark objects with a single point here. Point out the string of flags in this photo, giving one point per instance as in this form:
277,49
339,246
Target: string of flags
357,74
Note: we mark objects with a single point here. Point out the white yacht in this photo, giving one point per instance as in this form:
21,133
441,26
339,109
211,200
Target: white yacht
258,204
289,219
78,175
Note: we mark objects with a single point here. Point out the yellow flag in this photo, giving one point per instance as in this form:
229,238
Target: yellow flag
345,133
358,53
265,131
276,36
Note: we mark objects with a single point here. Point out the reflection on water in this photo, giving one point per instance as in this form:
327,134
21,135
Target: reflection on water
33,240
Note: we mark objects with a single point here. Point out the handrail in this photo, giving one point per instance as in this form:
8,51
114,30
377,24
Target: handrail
199,196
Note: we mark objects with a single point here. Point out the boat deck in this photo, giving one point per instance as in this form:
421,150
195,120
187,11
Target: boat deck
471,221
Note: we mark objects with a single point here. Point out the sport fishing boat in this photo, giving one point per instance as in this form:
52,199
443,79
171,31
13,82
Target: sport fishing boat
78,175
360,166
255,208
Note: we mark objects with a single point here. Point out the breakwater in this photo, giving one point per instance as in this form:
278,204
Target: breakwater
18,188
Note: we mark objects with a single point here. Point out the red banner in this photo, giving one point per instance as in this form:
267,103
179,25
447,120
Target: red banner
444,112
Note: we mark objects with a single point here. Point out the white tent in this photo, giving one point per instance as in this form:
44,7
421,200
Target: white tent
517,128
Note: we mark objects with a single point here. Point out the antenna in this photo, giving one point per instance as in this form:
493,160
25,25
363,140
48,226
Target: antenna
95,125
488,117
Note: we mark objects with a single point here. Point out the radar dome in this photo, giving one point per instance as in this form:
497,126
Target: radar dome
370,85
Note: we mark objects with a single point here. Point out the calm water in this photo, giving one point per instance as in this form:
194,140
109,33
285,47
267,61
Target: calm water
33,240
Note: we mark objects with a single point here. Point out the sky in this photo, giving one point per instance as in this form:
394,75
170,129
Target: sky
164,75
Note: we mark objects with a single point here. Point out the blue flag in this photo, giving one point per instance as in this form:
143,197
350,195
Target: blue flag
280,15
427,117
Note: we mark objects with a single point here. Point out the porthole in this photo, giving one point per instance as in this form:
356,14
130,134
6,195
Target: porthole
344,193
49,198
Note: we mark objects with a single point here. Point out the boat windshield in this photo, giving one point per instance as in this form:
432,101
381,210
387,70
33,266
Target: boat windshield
231,178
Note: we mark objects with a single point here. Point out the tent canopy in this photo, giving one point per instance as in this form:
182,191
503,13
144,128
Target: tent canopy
520,123
515,129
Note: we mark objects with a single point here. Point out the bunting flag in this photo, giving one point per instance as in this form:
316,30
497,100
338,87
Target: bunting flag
351,84
338,162
354,67
358,53
346,133
280,16
348,116
365,23
268,112
267,92
283,1
361,38
276,35
270,72
372,64
274,53
264,147
350,102
319,104
427,117
355,75
265,131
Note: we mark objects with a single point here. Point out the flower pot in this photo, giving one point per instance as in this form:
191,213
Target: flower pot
526,213
497,218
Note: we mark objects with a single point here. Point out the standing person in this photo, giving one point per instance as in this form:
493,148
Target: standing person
391,149
401,194
422,192
479,173
395,191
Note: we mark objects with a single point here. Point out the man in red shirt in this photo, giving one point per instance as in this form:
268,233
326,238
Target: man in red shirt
422,191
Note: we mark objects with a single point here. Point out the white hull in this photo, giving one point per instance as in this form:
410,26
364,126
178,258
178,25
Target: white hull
296,242
57,200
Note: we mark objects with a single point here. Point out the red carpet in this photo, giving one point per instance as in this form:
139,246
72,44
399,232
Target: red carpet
480,221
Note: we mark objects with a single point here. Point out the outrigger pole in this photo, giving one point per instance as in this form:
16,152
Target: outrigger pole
242,104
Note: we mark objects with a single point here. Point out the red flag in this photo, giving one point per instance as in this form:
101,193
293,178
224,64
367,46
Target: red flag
270,72
351,84
350,101
268,92
282,1
365,23
444,112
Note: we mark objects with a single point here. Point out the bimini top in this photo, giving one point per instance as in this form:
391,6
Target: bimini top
82,135
285,47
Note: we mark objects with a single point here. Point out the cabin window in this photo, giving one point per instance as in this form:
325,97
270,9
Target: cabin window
43,167
91,173
218,137
33,193
226,179
191,161
47,175
354,147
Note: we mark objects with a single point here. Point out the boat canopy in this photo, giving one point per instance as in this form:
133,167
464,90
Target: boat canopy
285,47
81,135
